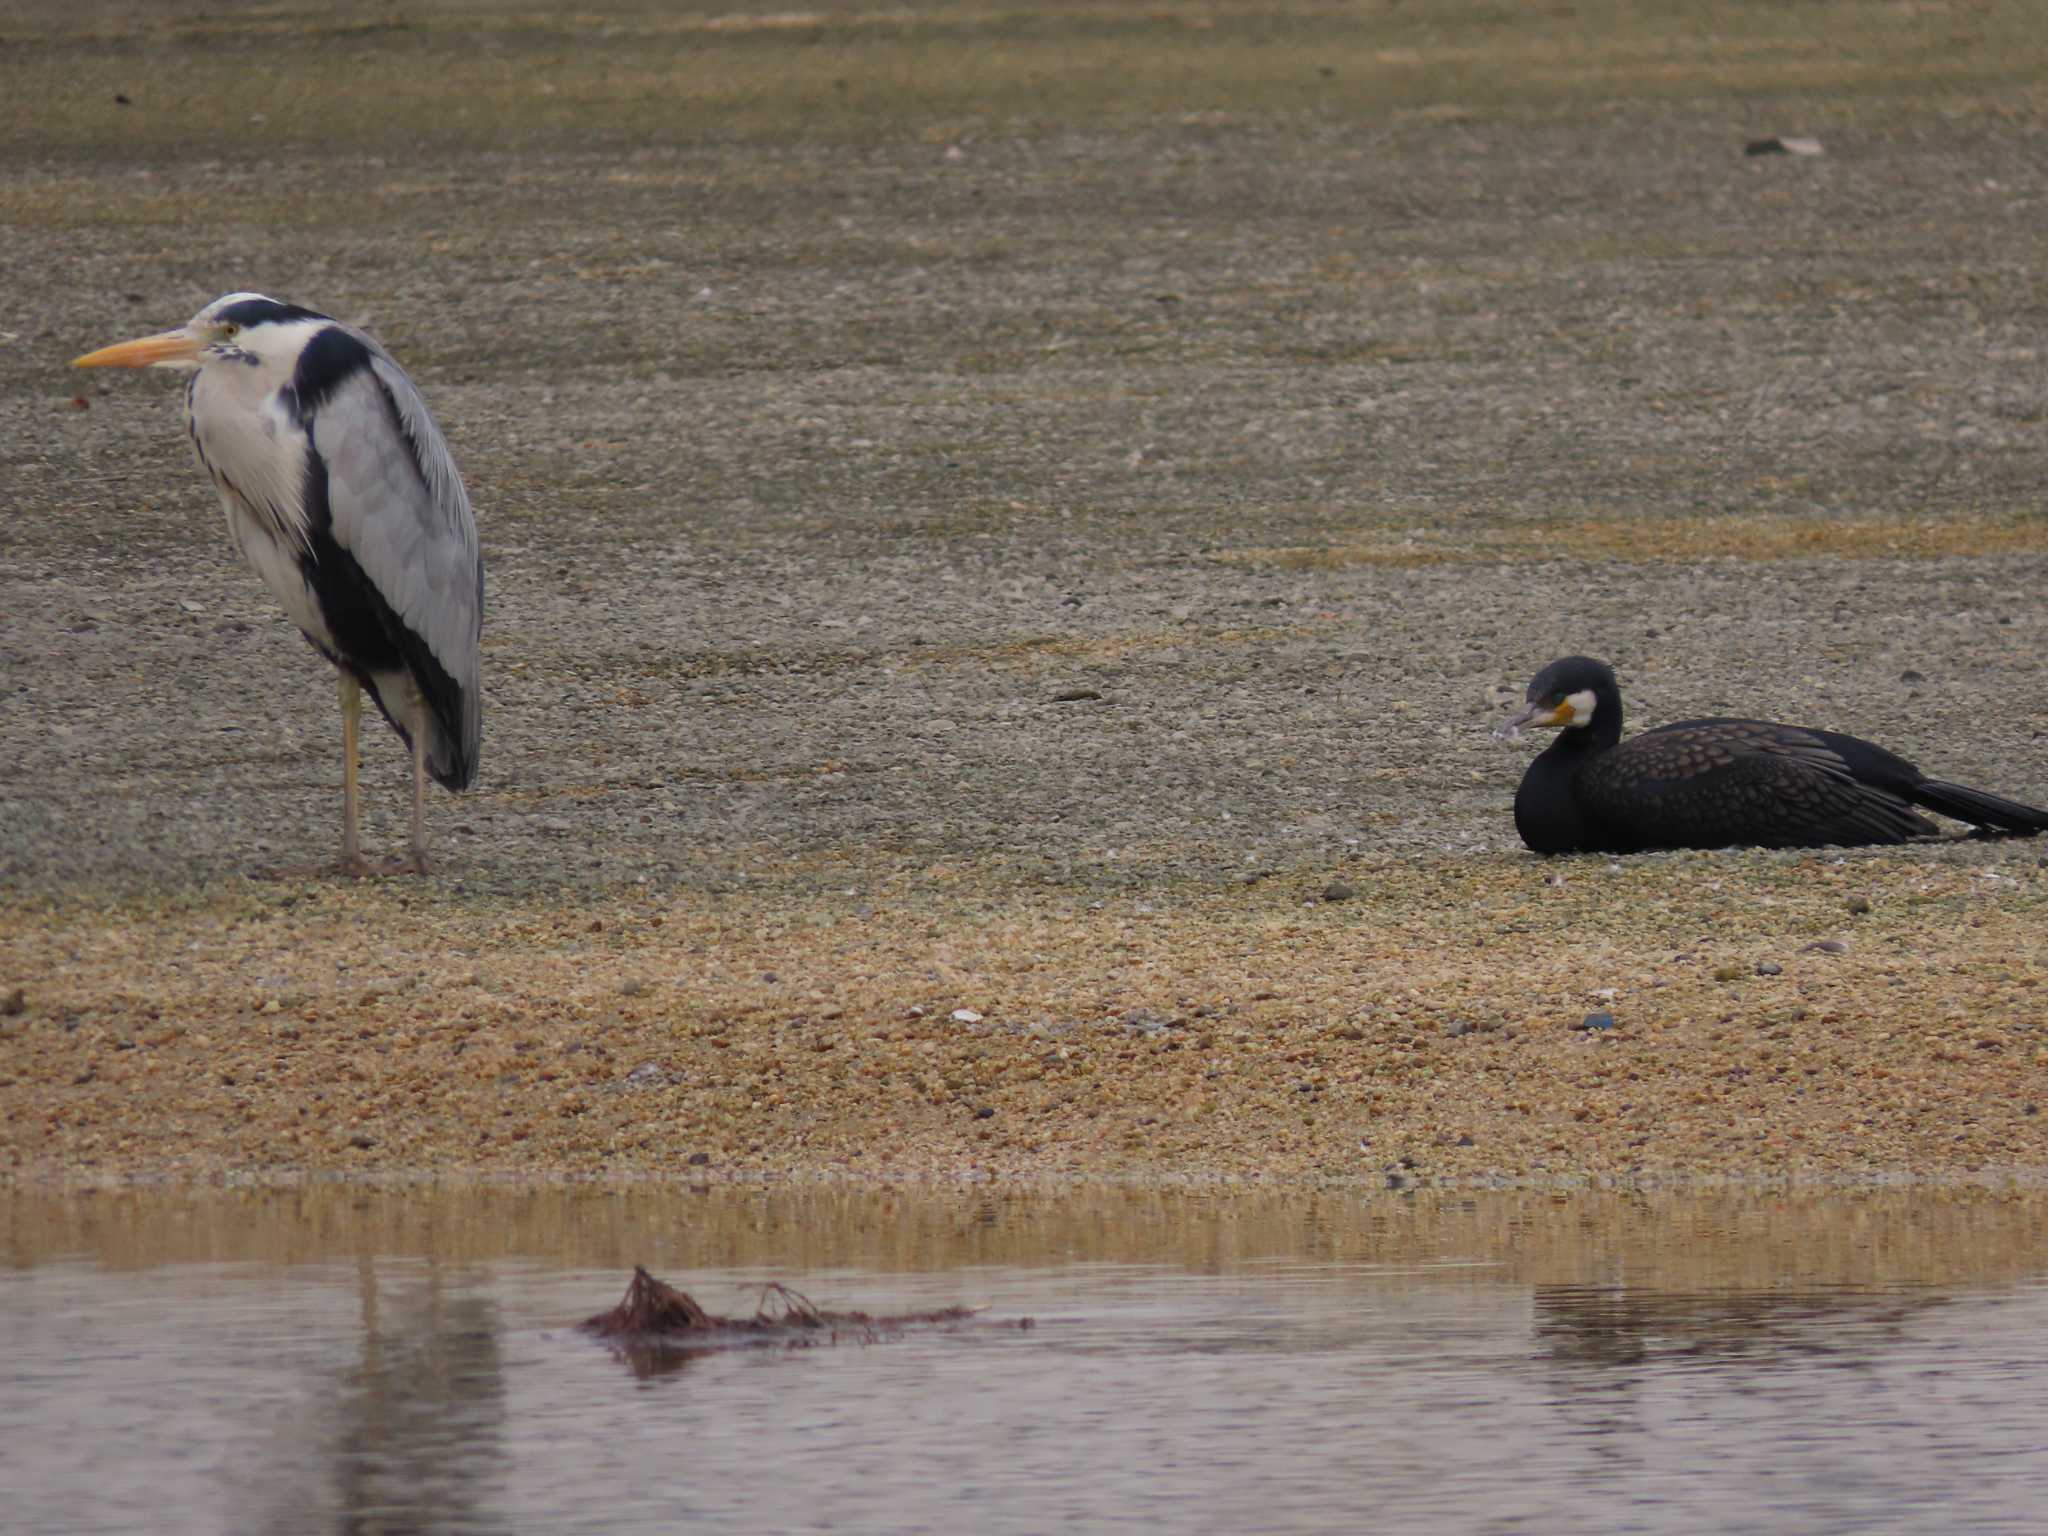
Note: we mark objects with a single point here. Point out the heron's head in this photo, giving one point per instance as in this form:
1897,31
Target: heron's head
1566,694
235,328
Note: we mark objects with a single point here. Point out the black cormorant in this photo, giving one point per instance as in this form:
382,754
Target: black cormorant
1720,783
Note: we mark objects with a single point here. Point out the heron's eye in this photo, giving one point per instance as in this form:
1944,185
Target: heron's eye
229,330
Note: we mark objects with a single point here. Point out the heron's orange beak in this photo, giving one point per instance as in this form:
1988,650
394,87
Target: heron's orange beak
171,349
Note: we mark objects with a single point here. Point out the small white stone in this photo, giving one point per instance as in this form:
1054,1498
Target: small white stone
966,1016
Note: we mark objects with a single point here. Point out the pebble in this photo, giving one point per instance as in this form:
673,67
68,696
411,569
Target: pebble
1783,144
14,1004
1337,890
1858,905
1827,947
1769,968
1596,1021
965,1016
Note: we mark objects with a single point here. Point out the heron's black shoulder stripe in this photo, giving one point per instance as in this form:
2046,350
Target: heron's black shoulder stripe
331,358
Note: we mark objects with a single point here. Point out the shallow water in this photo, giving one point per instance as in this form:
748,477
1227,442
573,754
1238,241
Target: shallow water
335,1360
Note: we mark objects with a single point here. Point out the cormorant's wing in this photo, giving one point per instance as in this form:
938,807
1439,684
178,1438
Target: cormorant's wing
1736,783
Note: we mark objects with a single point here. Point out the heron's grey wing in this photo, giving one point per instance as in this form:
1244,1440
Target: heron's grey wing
1734,783
398,507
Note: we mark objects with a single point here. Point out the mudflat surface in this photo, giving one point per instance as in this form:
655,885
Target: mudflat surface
997,509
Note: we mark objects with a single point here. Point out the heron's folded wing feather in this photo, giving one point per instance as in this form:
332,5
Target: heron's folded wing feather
399,508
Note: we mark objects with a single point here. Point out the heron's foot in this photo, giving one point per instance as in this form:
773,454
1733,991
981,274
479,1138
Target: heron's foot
295,871
357,868
411,864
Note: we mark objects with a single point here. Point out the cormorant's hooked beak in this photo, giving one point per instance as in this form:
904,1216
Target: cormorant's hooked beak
169,349
1535,712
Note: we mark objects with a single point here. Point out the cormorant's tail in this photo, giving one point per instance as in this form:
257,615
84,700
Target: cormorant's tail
1980,809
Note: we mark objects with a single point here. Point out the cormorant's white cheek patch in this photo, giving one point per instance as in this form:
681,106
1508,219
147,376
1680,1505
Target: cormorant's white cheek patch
1581,706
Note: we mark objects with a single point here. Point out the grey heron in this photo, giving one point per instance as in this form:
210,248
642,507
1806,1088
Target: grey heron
341,492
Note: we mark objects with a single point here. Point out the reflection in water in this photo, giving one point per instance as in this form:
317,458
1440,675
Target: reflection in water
651,1358
1864,1239
1621,1326
421,1417
1611,1347
307,1362
402,1433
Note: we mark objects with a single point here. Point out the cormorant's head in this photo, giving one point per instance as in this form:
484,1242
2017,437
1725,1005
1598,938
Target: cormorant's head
1565,694
235,328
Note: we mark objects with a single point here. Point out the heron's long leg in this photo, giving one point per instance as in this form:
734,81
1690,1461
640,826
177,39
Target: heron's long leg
419,798
351,719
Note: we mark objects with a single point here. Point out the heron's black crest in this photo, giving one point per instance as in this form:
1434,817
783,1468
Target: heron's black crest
248,312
